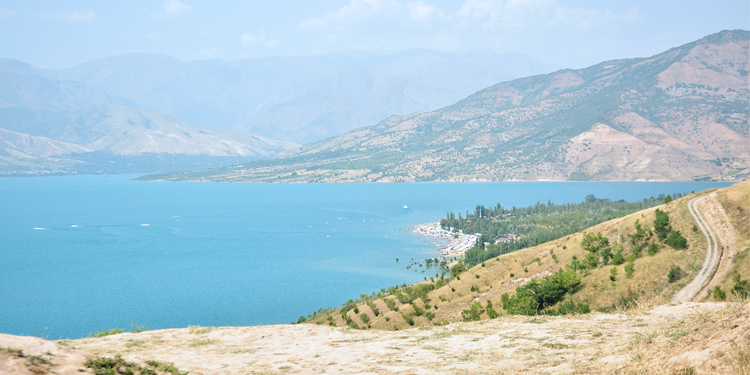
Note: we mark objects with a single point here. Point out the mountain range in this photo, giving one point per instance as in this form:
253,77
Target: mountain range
280,101
679,115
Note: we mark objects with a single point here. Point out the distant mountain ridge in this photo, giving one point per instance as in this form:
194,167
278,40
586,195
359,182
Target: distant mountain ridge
294,99
301,99
679,115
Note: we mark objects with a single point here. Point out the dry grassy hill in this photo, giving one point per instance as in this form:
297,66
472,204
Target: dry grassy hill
446,299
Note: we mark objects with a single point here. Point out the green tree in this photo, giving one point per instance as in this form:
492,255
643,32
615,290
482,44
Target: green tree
618,259
676,240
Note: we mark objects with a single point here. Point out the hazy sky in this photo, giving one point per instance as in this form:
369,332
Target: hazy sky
578,33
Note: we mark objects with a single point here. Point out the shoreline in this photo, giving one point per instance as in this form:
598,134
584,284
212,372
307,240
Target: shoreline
456,247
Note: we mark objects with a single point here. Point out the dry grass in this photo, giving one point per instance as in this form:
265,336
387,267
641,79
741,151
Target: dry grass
646,288
736,203
705,338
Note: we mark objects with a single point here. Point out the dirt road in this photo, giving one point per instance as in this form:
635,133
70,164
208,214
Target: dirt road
713,256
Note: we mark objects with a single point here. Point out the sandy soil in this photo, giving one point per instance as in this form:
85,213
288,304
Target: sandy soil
725,234
705,336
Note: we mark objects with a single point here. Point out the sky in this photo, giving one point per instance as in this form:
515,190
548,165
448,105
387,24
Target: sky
567,34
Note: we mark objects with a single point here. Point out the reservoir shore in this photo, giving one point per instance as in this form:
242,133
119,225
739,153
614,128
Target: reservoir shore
457,242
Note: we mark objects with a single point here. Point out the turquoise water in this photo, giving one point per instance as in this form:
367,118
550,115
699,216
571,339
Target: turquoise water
87,253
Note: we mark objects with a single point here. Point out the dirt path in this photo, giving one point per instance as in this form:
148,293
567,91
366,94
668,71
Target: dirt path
713,254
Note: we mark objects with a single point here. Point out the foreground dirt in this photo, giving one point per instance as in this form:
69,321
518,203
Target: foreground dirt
702,337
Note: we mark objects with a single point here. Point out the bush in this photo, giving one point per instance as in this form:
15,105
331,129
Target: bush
675,273
618,259
458,269
473,313
364,317
676,240
491,313
112,331
417,310
570,307
719,294
117,365
741,287
539,294
474,288
629,268
409,320
390,303
652,249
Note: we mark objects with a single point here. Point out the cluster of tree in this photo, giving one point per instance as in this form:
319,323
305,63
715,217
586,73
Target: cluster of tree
533,225
538,296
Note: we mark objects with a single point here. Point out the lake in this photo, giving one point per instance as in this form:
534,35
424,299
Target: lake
80,254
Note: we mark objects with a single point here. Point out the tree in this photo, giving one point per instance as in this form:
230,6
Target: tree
661,224
676,240
458,269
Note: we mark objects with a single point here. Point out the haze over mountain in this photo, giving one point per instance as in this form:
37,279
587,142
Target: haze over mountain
295,99
678,115
301,99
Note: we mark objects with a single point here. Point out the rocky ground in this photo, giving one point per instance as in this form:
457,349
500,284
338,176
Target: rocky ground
698,337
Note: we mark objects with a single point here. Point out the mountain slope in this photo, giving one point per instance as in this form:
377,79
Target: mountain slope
125,130
679,115
25,152
453,298
125,138
302,99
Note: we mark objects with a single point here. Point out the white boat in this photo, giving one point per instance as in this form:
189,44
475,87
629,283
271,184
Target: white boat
405,206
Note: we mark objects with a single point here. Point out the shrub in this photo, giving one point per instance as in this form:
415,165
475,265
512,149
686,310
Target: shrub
474,288
390,303
458,269
613,274
473,313
676,240
417,310
112,331
409,320
364,317
741,287
117,365
491,313
652,249
429,315
539,294
629,268
618,259
661,224
675,273
719,294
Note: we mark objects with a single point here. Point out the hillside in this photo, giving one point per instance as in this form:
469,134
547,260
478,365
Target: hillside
298,98
471,294
636,335
109,136
678,115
